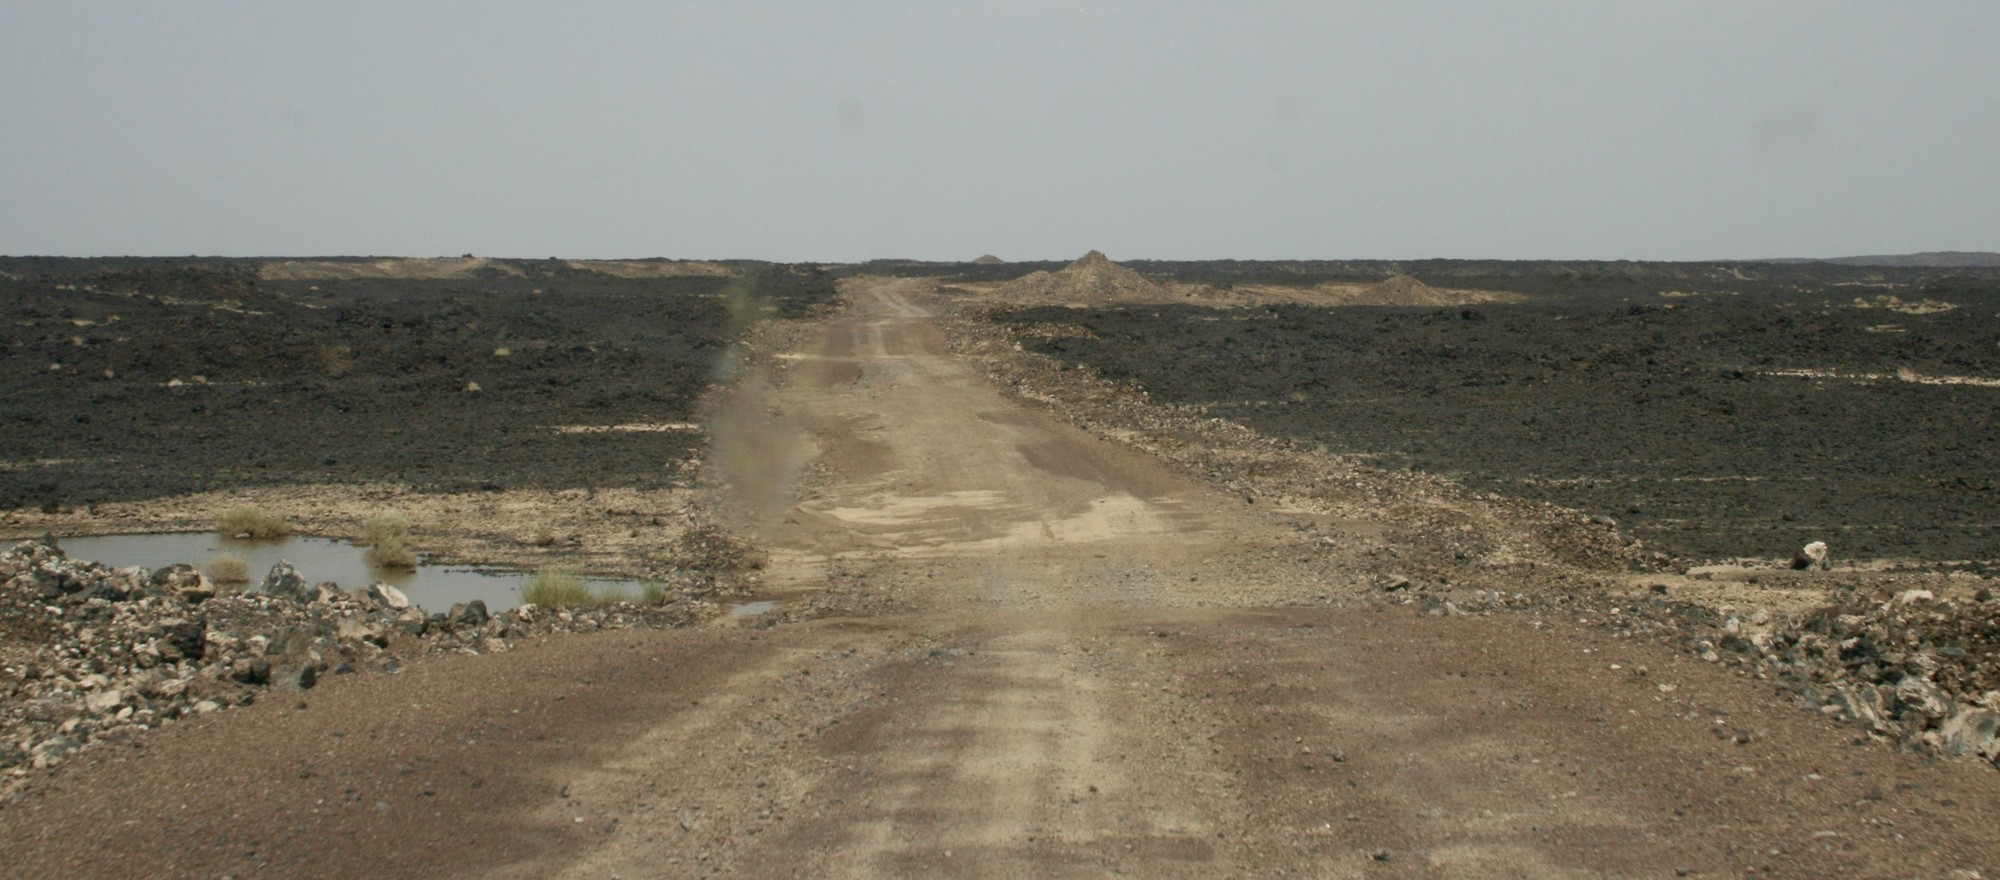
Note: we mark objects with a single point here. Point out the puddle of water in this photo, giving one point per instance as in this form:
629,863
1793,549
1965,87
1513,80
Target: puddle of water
435,587
747,609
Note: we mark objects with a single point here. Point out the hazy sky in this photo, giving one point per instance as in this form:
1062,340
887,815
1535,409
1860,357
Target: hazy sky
938,130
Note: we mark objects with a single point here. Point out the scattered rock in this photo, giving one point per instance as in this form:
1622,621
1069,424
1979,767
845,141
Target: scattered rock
126,649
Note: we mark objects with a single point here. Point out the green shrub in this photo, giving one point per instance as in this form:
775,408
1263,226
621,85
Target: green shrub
229,569
653,593
241,522
556,588
562,588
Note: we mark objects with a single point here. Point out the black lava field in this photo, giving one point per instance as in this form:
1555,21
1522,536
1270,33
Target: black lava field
1737,423
124,379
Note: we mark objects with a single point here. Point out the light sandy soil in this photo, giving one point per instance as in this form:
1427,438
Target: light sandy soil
1014,649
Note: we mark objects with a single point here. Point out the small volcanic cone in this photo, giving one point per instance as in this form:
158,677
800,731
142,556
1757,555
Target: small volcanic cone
1093,278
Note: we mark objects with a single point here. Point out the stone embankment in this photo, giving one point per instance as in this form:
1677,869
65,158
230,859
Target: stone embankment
1917,668
91,654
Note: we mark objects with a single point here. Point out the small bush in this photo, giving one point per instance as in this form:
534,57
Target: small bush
240,522
228,569
390,553
653,593
561,588
385,526
556,588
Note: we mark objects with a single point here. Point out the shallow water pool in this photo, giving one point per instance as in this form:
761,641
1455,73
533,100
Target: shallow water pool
435,587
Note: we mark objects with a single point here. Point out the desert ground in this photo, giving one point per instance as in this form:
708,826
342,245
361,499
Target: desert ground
1425,569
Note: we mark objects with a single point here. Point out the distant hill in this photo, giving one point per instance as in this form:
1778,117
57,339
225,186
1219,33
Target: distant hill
1927,259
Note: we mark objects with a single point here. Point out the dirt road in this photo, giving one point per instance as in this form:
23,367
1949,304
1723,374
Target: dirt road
1020,651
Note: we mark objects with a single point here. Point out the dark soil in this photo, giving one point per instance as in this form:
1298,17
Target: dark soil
126,379
1661,412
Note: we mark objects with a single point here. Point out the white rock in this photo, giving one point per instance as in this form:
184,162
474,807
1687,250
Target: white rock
1908,597
1916,693
1972,732
389,596
104,701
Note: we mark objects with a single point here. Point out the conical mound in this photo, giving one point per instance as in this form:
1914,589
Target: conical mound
1402,290
1093,278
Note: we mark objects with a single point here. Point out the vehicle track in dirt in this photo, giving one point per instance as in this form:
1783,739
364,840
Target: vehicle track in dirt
1019,650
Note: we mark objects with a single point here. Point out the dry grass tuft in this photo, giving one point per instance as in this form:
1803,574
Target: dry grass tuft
387,535
228,569
249,522
556,588
391,553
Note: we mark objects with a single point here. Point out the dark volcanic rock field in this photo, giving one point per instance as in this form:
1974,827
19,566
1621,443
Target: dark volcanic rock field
125,379
1742,421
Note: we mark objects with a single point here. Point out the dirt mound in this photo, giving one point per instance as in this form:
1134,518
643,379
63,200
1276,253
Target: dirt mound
988,260
1404,289
1091,279
341,270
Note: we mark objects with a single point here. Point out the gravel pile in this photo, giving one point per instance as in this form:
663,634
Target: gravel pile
91,654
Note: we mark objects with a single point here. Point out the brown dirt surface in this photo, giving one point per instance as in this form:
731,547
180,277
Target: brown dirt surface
1010,646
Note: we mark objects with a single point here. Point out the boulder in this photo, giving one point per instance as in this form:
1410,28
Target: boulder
1972,732
251,670
355,630
1914,694
1813,555
388,596
104,702
471,613
414,621
1863,706
285,582
184,581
